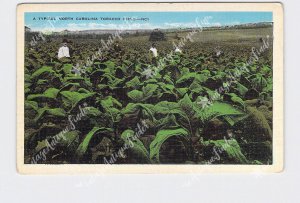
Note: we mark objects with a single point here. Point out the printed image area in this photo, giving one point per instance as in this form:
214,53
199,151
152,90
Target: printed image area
148,88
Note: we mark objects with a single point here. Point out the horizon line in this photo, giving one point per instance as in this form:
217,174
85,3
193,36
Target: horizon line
150,28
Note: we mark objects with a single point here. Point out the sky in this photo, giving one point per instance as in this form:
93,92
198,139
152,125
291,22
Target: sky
58,21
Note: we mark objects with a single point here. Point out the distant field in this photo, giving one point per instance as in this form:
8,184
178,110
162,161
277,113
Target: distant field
233,35
235,41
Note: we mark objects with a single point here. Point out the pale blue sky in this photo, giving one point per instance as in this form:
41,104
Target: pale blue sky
153,20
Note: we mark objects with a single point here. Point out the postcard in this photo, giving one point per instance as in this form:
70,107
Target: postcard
149,88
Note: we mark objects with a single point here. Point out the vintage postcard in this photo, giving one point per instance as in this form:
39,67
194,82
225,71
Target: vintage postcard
149,88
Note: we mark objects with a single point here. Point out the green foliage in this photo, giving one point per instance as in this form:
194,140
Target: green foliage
70,140
83,147
228,149
146,92
50,93
161,137
136,147
56,112
219,109
133,83
136,95
71,99
42,70
115,94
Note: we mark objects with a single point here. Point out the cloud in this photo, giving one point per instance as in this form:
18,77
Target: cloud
119,26
93,26
180,25
234,23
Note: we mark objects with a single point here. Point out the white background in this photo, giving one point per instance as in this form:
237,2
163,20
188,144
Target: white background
282,187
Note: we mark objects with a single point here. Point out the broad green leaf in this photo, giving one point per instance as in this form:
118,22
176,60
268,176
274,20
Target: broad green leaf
134,83
187,106
218,109
161,137
31,105
134,109
96,131
167,122
135,146
182,91
67,68
136,95
149,90
164,107
190,77
42,70
56,112
196,87
241,89
50,93
92,111
110,102
69,140
236,99
71,99
229,147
